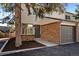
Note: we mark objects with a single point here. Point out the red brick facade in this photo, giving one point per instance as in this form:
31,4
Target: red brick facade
51,32
27,37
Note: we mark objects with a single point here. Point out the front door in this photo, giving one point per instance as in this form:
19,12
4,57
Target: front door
37,31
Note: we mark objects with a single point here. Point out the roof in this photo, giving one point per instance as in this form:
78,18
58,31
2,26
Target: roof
70,13
62,19
46,21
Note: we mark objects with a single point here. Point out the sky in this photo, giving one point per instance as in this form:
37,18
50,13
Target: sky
69,8
3,14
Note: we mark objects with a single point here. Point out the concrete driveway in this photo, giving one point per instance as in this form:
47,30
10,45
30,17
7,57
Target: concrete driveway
62,50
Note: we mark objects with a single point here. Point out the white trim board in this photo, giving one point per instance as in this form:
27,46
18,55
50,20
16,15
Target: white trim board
4,45
6,41
21,50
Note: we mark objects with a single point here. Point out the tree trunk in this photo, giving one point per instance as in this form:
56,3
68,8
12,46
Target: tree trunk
18,24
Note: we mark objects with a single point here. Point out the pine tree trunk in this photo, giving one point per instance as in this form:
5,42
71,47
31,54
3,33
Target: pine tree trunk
18,24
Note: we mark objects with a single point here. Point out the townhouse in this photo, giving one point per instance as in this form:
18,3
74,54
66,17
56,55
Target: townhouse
59,28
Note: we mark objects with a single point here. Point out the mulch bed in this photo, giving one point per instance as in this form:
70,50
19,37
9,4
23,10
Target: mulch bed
1,44
10,46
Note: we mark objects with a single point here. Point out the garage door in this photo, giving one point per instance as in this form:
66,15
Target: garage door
67,34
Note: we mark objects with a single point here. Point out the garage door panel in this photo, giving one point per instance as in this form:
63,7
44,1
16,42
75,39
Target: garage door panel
66,34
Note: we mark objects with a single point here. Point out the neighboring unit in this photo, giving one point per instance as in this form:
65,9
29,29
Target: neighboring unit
56,28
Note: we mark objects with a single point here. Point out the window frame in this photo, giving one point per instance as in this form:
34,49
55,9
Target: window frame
67,17
23,29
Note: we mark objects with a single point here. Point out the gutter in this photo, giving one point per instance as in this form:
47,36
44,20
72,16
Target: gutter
63,19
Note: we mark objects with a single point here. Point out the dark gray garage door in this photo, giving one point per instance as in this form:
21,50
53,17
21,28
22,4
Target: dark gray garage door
67,34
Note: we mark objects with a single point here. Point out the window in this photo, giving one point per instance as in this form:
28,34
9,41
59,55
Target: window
27,29
67,17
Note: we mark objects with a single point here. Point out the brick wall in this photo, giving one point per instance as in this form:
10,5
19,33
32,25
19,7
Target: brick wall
12,35
51,32
27,37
